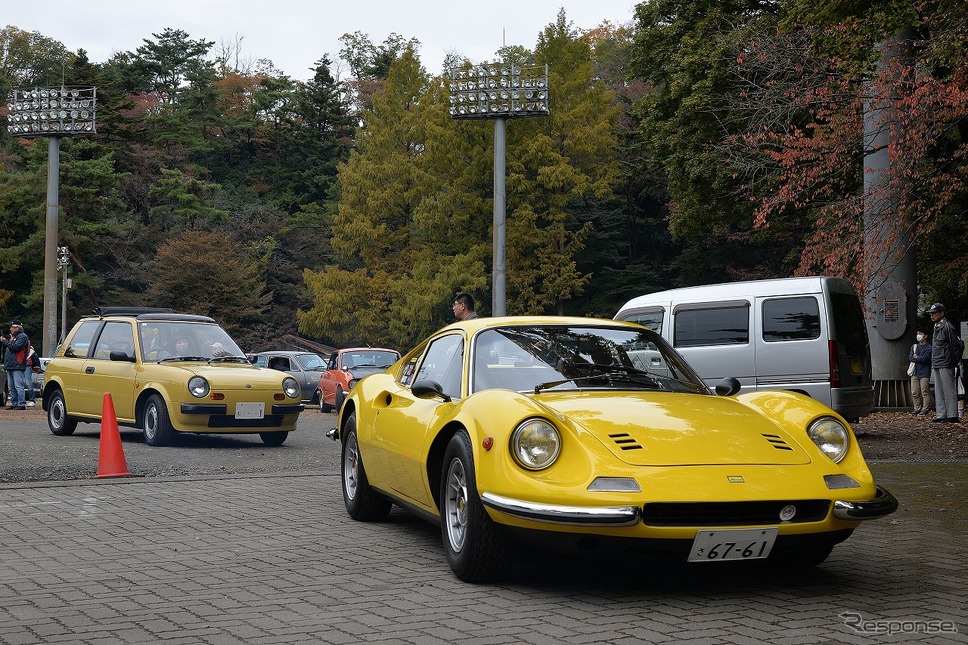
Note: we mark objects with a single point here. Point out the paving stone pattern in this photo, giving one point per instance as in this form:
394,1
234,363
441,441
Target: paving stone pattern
275,559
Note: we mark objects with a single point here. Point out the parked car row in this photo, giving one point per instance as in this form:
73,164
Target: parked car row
584,435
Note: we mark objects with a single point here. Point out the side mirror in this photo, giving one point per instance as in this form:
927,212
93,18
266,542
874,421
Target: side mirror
120,356
426,387
728,386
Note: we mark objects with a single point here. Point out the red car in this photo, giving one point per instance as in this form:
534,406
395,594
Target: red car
346,367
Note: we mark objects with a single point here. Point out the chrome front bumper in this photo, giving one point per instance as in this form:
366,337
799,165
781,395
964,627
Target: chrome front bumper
557,514
883,504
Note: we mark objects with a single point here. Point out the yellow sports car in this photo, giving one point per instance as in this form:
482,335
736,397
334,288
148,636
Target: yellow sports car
596,436
166,373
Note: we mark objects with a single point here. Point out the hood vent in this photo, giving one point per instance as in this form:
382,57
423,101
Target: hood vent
625,441
777,442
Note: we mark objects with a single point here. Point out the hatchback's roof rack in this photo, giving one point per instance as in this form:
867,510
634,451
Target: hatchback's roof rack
130,311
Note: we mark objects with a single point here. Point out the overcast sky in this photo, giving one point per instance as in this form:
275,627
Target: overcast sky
294,34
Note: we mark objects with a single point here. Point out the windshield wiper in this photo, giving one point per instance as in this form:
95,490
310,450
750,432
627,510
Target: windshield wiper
183,358
226,359
608,371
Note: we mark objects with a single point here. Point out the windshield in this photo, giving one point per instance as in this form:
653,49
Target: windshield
311,362
542,358
379,358
186,340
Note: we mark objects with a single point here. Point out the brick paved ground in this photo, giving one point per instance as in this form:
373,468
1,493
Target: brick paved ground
274,559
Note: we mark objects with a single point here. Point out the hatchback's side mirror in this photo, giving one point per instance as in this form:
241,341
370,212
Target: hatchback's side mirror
121,356
728,386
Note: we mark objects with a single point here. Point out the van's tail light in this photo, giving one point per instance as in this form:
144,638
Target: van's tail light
834,364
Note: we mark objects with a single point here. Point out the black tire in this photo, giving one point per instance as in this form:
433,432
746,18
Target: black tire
156,424
323,406
340,398
362,502
476,547
58,420
274,438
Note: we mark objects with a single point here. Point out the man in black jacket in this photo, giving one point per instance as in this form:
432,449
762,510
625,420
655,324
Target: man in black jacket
945,356
15,364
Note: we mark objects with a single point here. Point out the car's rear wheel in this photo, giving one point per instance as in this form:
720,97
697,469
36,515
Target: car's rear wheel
362,502
340,398
57,420
157,425
476,547
273,438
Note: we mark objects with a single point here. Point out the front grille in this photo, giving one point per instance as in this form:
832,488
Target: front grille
732,513
228,421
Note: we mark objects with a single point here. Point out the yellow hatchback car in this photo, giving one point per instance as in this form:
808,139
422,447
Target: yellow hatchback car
167,373
595,436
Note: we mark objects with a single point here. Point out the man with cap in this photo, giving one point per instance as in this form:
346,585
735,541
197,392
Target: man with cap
15,362
945,356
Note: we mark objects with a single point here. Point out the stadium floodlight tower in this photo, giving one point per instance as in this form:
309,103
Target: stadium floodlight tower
498,91
52,112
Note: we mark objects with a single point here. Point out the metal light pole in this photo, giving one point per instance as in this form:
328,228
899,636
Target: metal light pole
63,263
498,91
53,113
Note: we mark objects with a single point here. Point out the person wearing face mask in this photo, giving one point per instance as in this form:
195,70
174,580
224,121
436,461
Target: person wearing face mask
920,357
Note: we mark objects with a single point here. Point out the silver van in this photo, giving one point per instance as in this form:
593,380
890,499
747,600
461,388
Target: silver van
802,334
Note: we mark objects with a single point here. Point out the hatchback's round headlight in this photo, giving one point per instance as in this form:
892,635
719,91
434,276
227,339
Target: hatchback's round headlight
831,437
291,387
198,387
535,444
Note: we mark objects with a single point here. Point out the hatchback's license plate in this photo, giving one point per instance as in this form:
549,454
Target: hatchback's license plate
732,544
250,410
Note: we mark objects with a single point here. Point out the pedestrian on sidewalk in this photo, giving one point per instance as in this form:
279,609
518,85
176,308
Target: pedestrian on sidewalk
15,363
920,356
945,356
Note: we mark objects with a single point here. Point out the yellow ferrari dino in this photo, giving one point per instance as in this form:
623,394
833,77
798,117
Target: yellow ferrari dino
596,436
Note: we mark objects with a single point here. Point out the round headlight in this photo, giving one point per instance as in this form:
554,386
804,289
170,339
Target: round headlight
351,383
535,444
198,386
291,387
831,437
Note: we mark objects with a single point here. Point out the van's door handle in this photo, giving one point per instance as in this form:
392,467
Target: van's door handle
89,369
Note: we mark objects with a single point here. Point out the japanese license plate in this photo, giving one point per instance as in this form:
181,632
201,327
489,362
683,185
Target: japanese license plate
250,410
732,544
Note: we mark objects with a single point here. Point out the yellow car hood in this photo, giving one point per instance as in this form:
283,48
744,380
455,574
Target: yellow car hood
231,376
671,429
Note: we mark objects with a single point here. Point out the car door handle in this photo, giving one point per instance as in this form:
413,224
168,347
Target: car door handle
89,369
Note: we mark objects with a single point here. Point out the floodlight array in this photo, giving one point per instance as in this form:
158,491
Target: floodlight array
52,112
498,91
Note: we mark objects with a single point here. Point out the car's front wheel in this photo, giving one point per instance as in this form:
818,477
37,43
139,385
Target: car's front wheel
476,548
57,420
157,425
362,502
323,405
340,398
273,438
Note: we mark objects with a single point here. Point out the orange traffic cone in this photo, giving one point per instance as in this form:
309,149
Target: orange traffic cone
110,459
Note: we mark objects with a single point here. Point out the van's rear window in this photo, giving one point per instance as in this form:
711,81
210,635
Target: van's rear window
791,319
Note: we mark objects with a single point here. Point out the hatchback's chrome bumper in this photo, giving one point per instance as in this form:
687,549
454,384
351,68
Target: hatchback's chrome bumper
883,504
559,514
